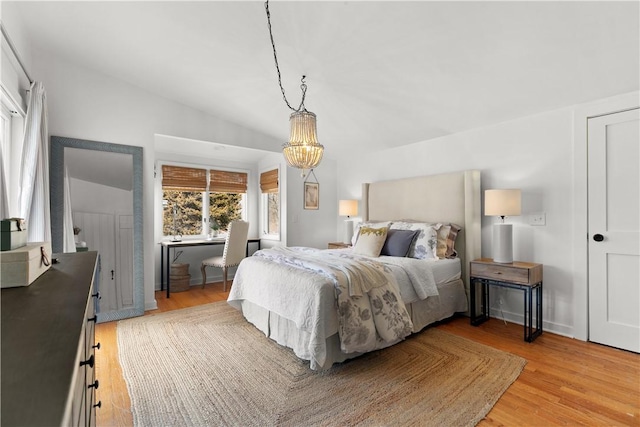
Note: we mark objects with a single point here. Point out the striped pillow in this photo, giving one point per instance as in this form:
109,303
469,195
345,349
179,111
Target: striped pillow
451,241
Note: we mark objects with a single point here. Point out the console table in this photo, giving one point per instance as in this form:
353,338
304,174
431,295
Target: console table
165,262
525,276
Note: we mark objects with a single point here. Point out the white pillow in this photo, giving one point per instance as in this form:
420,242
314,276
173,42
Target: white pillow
370,241
360,224
426,244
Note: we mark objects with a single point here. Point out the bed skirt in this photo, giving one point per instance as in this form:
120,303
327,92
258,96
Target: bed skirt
451,299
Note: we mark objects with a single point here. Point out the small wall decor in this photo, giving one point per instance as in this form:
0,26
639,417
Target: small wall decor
311,192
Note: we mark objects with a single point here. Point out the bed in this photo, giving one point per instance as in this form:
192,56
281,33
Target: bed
285,295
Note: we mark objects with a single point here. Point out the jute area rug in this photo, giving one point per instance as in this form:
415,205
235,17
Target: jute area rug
207,366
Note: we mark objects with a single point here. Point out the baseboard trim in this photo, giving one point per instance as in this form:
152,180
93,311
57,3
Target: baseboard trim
198,282
518,318
151,305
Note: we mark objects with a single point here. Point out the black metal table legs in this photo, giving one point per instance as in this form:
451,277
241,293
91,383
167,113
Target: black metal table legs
530,333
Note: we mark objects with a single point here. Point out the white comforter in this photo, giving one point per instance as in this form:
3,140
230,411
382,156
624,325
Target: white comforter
307,285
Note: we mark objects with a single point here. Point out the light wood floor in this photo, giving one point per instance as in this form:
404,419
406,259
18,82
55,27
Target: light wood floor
565,381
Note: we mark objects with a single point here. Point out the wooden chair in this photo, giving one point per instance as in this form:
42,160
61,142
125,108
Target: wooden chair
235,249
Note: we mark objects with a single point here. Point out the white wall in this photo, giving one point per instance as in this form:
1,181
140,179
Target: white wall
534,154
313,228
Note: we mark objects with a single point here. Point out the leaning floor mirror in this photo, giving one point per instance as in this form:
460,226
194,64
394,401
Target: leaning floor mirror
96,194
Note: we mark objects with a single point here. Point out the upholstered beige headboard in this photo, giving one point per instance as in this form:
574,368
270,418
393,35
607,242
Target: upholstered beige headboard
451,197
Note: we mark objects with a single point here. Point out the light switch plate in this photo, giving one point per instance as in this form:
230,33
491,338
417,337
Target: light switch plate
539,218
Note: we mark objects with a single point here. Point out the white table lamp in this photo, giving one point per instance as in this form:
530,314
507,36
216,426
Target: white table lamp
502,203
348,208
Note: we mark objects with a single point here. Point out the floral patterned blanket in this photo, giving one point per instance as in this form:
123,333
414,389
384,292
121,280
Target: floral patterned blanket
370,308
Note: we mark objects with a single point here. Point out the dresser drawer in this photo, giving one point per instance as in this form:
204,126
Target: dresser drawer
503,273
47,387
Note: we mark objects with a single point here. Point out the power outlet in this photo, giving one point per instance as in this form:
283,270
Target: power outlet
539,218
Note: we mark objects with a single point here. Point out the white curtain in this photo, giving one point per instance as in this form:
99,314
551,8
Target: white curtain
34,177
68,243
4,199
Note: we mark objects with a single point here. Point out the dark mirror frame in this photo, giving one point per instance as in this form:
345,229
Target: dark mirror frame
56,185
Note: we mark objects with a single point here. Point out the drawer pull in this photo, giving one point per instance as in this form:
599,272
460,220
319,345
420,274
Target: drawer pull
89,362
97,346
93,319
95,385
98,405
97,295
497,272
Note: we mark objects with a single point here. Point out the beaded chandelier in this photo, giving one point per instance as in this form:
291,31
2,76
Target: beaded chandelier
303,150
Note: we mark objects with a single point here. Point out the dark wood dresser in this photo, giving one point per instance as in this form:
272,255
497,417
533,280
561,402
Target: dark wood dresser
48,346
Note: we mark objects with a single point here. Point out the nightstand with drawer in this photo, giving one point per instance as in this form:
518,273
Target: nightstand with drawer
525,276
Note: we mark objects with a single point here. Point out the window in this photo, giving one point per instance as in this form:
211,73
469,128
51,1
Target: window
11,134
182,191
269,187
227,192
192,197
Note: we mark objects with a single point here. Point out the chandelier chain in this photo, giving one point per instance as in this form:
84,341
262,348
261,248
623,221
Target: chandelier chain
303,86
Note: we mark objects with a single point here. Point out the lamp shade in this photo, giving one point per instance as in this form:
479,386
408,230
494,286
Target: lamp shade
502,202
348,208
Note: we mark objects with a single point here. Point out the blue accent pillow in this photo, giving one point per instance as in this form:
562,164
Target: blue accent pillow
399,242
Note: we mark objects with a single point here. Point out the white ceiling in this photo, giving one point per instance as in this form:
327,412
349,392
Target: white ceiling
380,74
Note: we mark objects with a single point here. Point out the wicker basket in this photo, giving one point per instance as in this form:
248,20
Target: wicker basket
180,277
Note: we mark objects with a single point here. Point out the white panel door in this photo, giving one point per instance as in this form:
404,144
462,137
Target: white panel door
124,260
98,232
614,229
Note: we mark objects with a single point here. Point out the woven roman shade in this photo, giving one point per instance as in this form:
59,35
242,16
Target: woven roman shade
269,181
183,179
227,182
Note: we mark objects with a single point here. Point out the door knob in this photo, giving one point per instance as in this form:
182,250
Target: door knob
598,237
